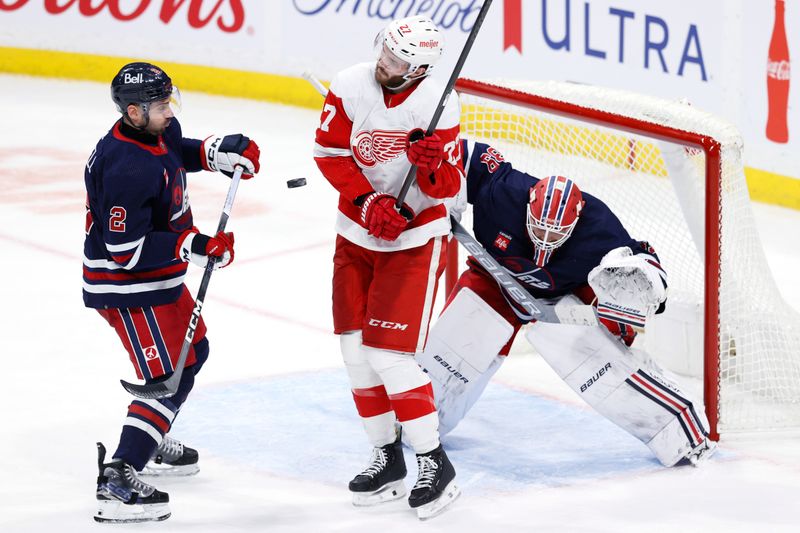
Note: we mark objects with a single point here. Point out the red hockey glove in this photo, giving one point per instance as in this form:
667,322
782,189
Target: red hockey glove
425,152
382,219
197,248
224,153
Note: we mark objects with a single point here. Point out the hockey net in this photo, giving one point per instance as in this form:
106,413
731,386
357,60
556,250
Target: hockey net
674,176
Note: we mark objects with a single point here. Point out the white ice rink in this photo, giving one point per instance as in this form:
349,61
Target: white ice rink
271,412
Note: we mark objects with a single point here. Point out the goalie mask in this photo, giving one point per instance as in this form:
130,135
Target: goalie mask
554,208
409,43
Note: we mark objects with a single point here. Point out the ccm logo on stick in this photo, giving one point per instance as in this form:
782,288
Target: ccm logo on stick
386,325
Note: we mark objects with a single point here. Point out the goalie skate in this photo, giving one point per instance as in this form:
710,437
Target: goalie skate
382,480
123,498
172,458
435,489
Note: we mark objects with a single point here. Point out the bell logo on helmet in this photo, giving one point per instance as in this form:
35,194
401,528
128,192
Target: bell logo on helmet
138,78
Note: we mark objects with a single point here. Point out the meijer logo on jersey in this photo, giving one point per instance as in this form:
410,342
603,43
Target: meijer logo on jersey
198,12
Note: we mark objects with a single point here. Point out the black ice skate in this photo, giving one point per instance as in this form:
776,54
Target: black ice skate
382,480
172,458
122,497
435,488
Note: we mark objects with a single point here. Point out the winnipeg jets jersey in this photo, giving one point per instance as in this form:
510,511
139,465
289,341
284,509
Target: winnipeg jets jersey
361,147
137,207
499,195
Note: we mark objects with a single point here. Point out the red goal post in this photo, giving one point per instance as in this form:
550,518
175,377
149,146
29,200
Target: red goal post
675,177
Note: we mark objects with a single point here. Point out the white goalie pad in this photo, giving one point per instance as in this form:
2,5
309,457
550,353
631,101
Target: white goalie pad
462,355
628,288
624,385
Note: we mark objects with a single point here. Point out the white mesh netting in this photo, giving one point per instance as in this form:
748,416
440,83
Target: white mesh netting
658,191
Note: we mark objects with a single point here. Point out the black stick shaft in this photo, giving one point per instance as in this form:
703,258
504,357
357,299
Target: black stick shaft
168,387
412,172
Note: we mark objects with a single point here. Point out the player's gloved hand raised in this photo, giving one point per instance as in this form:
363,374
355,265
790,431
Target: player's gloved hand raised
197,248
224,153
382,219
425,152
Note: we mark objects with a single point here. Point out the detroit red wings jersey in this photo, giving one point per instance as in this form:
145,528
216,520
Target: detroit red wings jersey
361,147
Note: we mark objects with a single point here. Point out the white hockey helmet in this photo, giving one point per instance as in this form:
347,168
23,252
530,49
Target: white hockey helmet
415,40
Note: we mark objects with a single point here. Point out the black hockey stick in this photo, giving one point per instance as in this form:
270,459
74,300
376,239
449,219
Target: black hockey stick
412,172
535,309
166,387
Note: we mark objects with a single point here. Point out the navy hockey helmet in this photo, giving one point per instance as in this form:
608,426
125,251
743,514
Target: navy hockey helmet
141,83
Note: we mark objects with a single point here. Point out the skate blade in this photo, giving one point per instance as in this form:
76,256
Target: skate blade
389,492
440,504
162,470
116,512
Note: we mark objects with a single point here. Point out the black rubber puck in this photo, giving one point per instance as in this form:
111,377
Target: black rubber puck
297,182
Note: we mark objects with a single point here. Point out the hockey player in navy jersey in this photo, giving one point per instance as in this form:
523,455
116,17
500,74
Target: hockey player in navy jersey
565,246
139,241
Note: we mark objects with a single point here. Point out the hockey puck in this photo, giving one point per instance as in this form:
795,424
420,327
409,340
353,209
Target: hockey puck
297,182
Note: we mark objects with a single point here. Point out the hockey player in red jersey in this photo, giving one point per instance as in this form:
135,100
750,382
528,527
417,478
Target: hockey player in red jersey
139,239
387,262
562,245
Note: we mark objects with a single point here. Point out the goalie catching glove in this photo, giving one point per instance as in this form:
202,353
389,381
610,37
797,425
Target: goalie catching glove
224,153
629,288
198,248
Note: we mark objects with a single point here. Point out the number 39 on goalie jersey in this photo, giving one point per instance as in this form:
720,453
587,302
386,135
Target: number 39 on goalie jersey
499,195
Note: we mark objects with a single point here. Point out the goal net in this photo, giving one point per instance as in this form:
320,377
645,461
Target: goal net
674,176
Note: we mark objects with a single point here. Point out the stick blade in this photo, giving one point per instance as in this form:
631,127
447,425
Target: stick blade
150,391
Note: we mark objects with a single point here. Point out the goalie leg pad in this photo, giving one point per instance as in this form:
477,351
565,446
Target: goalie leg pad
461,355
626,386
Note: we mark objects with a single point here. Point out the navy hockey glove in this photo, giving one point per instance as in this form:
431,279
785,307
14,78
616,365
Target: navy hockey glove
197,248
224,153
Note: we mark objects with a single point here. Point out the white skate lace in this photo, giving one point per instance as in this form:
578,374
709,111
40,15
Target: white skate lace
377,462
426,467
170,449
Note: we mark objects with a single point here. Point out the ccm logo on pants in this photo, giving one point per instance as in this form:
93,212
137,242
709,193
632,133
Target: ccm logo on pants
386,325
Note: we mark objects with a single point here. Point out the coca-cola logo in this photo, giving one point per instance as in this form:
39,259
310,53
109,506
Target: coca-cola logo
778,70
198,14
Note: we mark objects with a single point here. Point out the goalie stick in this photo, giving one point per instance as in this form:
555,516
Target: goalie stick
585,315
167,386
536,309
412,172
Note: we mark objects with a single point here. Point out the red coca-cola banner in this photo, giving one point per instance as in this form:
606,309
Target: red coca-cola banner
167,10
